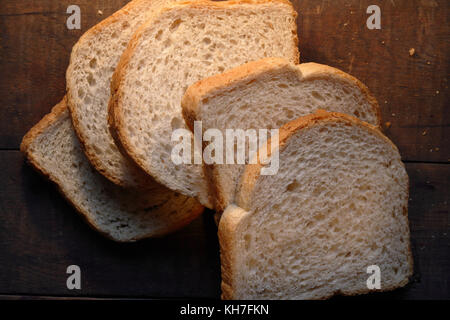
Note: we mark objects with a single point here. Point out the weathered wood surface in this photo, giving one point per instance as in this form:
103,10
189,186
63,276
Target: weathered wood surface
412,90
40,234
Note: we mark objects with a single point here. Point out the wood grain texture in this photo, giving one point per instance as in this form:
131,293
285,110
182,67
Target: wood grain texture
412,90
40,234
35,47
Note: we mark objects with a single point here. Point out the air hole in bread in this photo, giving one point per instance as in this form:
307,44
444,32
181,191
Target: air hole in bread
317,96
174,26
93,63
252,263
292,186
323,130
91,80
158,35
176,123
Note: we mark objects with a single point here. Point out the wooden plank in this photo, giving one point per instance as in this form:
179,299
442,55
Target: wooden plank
412,90
34,54
35,48
40,235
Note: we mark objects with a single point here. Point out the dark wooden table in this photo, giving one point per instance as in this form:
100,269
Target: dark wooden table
40,234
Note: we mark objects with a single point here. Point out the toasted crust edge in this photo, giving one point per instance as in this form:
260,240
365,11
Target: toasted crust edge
229,223
92,156
252,173
227,230
50,118
205,87
249,71
312,71
115,116
240,76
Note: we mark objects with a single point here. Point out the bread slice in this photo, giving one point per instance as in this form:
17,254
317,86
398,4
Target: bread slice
267,94
337,205
121,214
185,43
92,63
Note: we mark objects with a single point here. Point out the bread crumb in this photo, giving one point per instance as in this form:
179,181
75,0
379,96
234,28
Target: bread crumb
412,51
100,12
424,133
388,124
345,24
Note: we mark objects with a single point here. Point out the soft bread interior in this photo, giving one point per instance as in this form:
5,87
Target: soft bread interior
337,205
266,94
186,43
92,63
119,213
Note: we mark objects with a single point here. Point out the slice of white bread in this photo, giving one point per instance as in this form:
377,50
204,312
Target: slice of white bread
266,94
92,63
52,147
185,43
337,205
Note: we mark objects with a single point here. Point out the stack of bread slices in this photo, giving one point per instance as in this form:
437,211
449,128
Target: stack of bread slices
335,208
